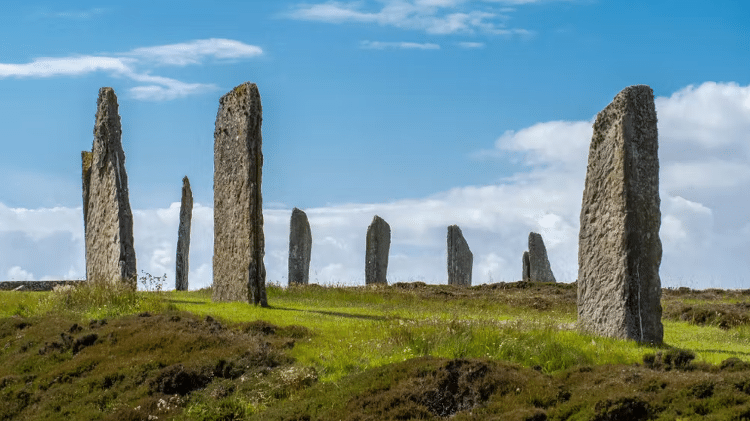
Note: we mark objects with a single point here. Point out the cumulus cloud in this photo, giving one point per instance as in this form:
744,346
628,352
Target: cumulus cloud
430,16
705,230
135,65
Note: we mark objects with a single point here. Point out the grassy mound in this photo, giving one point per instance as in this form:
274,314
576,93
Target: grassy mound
406,351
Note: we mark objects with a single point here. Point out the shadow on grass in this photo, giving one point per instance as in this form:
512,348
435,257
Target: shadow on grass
721,351
333,313
171,301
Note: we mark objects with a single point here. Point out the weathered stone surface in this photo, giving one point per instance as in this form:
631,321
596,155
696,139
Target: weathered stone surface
108,220
300,248
525,270
376,252
619,254
539,268
239,244
183,237
460,258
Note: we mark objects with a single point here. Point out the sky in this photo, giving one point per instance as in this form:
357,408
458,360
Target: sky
427,113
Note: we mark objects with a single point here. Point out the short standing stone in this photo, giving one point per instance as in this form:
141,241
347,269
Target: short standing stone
183,237
300,248
525,271
460,258
239,244
376,254
619,254
539,267
107,217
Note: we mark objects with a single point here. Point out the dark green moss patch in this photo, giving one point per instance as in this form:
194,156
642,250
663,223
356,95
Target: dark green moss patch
135,366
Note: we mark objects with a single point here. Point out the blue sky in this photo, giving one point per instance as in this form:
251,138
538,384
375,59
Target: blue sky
427,112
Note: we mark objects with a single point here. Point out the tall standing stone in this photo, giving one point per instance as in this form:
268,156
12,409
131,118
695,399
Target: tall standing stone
183,237
460,258
376,253
239,244
539,269
619,254
107,217
300,248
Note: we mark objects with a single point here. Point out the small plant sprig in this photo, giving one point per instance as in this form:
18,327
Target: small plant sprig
153,283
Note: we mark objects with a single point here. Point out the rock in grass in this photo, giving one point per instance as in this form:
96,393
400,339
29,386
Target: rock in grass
539,269
619,254
239,244
107,217
460,258
376,251
183,237
300,248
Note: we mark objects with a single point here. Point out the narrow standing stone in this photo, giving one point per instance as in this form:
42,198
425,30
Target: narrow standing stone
539,267
525,270
460,258
239,245
619,254
107,217
376,253
300,248
183,237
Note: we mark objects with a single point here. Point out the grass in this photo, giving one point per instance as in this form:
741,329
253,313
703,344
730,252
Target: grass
324,352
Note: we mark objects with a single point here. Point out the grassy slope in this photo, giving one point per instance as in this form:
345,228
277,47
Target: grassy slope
353,339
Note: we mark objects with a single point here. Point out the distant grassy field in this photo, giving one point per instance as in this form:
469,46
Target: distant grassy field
406,351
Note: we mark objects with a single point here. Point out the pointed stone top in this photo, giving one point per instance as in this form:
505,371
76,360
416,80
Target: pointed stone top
246,90
185,181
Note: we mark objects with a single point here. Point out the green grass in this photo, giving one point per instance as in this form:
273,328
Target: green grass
333,341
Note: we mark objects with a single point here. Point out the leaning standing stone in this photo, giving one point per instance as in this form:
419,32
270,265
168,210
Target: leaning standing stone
539,267
107,217
183,237
619,254
376,253
460,258
238,269
300,248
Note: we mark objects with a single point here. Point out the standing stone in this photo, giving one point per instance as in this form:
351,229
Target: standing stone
460,258
300,248
107,218
619,254
539,268
183,237
525,271
239,244
376,254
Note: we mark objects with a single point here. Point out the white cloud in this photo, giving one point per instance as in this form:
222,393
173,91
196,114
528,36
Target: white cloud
195,52
77,14
705,231
66,66
17,274
431,16
378,45
471,45
134,65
